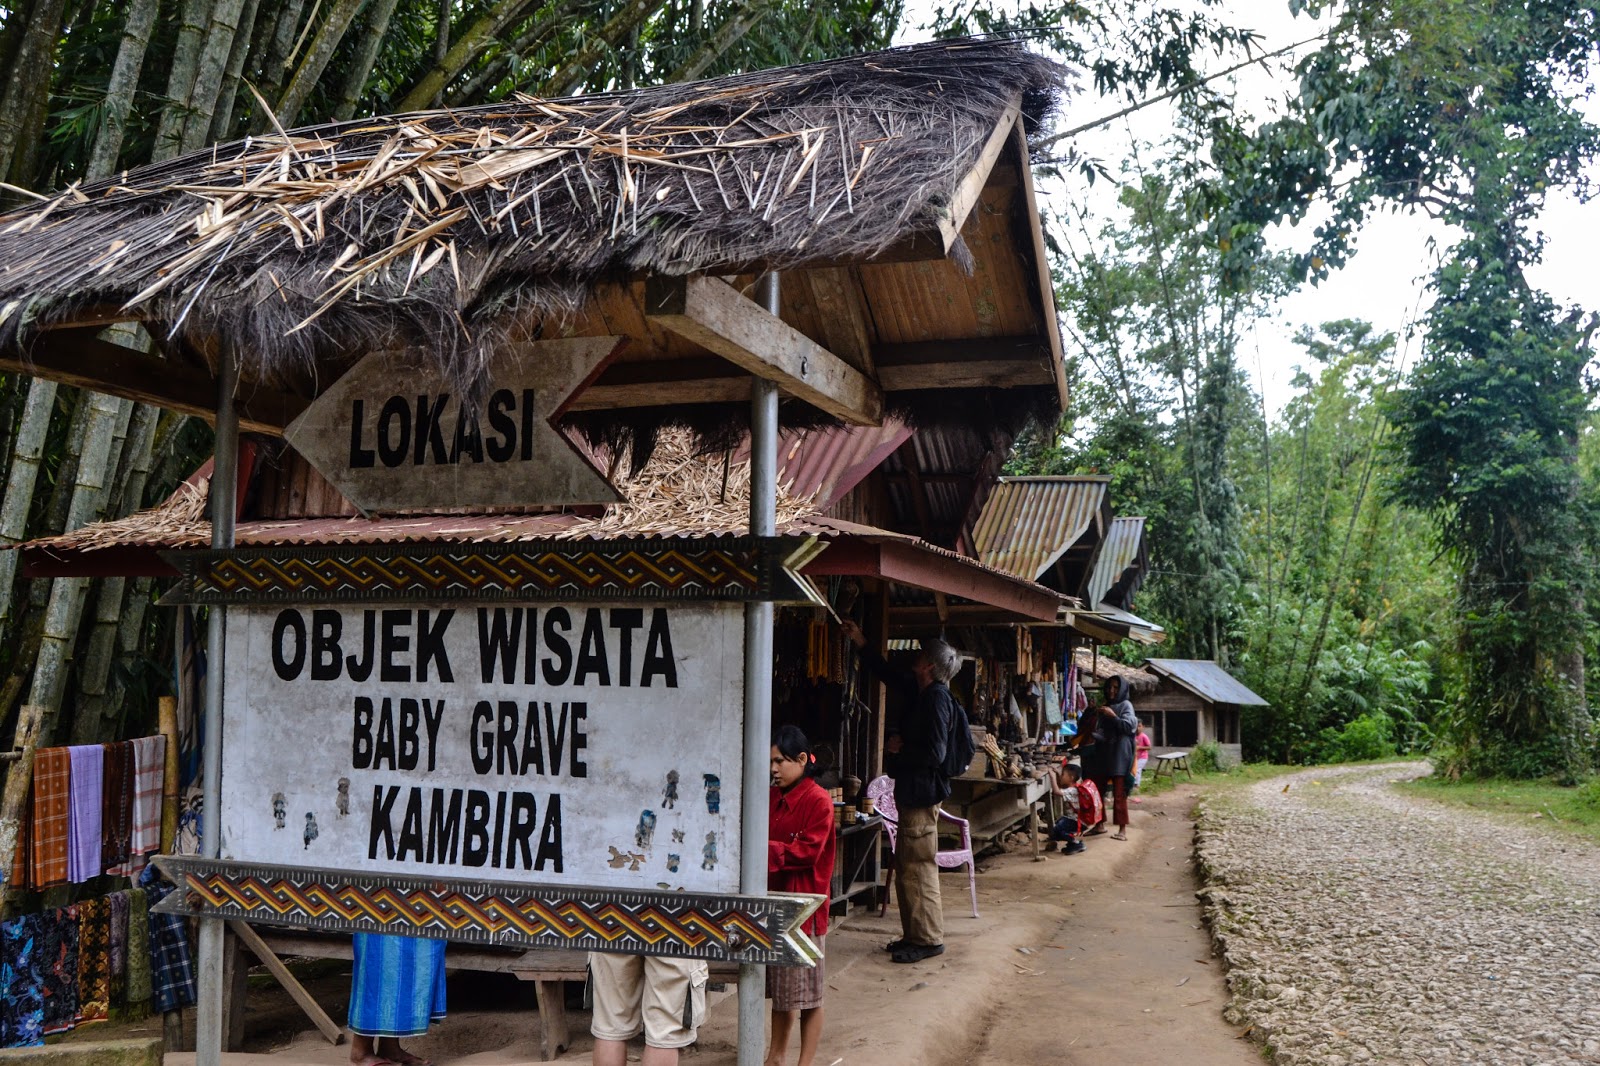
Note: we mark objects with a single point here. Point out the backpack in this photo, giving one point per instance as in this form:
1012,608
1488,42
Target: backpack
958,752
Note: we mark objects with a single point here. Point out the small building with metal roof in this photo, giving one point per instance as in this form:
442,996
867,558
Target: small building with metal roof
1196,702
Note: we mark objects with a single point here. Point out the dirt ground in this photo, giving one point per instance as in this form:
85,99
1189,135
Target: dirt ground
1073,959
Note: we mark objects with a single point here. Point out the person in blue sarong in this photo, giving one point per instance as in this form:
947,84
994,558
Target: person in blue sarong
396,990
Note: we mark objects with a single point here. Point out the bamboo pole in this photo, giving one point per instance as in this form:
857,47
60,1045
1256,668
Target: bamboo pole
108,420
14,800
167,719
26,457
120,89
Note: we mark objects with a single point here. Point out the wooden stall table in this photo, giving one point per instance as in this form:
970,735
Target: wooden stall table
991,805
857,862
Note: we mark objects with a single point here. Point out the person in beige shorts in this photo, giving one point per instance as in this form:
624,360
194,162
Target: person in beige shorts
661,997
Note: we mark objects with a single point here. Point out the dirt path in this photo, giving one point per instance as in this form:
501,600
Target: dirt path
1082,959
1128,975
1366,926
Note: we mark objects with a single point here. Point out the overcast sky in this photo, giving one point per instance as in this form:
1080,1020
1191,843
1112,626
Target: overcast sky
1384,283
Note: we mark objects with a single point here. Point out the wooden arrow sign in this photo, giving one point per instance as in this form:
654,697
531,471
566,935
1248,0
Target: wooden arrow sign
758,929
393,435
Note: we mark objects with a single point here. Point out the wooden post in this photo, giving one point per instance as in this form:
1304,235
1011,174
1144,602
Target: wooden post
14,800
167,717
878,633
167,725
235,972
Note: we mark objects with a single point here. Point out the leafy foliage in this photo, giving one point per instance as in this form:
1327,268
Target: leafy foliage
1465,112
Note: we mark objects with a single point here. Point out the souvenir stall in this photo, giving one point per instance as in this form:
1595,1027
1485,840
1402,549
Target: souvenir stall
1020,685
79,943
611,295
818,687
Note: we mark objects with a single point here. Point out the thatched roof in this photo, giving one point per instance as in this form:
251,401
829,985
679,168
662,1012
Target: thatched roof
453,230
1102,669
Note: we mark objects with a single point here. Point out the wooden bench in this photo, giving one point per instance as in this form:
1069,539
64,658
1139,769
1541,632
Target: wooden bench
548,970
1172,762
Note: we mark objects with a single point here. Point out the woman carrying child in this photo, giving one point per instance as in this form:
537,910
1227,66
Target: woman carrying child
800,849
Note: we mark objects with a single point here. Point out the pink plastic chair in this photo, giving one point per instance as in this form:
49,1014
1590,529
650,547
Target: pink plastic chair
881,792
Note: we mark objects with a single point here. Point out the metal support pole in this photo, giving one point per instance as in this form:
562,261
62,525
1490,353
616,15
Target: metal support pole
224,507
758,618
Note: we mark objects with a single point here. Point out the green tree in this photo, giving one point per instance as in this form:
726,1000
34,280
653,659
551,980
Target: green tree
1342,605
1469,113
1159,401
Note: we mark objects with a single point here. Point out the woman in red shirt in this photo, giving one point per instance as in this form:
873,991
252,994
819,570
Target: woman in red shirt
799,859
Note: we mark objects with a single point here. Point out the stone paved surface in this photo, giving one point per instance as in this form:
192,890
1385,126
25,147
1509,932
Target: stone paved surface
1361,925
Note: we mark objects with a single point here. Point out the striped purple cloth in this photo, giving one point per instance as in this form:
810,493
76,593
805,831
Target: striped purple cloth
83,812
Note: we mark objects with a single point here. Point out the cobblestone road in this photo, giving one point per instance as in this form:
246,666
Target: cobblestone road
1364,926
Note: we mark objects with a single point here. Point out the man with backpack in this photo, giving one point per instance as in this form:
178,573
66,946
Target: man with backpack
933,739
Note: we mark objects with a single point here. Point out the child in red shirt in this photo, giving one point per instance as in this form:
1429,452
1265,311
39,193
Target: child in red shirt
800,845
1084,808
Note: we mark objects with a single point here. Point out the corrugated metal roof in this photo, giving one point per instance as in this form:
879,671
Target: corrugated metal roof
825,464
459,529
1207,680
1109,625
955,465
1030,522
1124,546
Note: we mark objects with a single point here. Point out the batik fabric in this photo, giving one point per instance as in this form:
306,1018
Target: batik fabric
21,983
139,990
116,804
58,962
52,798
94,960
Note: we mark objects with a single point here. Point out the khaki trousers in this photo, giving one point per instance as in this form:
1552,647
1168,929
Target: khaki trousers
917,870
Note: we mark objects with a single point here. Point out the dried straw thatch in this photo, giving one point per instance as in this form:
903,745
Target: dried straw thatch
681,491
1101,668
441,229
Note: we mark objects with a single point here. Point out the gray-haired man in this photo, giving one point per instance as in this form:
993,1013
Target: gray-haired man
919,787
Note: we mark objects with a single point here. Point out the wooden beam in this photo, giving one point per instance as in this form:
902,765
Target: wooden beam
971,186
1041,263
974,374
82,359
1024,349
716,316
664,383
297,991
918,566
664,388
976,363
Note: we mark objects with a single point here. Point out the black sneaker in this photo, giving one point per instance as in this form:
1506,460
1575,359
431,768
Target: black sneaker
917,952
1073,848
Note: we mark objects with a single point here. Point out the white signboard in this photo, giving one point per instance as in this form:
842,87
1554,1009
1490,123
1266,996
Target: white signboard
394,434
560,744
